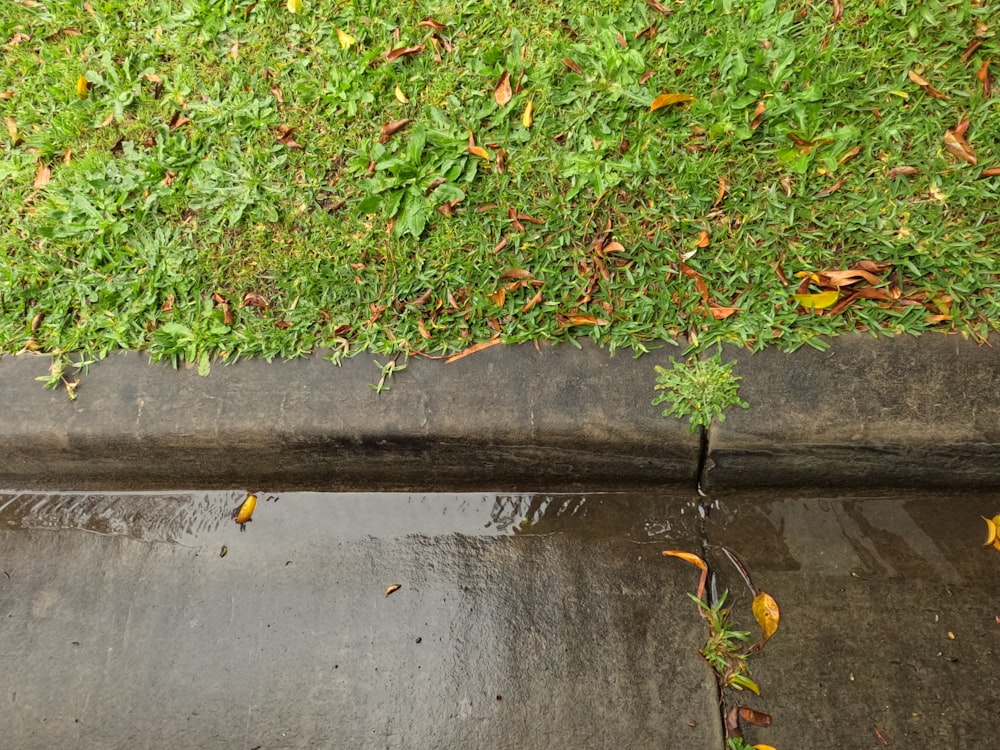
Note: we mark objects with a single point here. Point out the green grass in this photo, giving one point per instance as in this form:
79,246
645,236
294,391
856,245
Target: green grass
177,178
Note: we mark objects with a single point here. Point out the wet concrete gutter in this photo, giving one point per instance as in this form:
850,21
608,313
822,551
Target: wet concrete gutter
865,413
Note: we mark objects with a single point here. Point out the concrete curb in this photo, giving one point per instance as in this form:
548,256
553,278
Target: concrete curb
920,412
509,418
866,413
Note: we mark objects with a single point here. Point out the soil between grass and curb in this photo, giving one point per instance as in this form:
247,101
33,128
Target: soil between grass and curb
902,412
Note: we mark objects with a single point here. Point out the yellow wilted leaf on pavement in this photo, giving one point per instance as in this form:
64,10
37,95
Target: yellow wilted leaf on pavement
991,531
665,100
245,512
765,609
345,39
817,301
763,747
691,559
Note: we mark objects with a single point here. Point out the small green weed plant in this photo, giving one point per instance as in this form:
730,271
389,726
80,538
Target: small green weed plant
726,648
699,389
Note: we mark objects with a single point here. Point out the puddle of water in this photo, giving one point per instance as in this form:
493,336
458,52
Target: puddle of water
195,518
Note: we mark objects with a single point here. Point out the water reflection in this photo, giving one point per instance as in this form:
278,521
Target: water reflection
193,517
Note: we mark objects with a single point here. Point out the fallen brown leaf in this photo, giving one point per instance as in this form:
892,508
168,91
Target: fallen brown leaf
721,194
12,128
392,589
970,50
572,66
983,74
849,155
472,350
838,11
990,172
8,94
389,129
394,54
757,718
721,313
703,239
659,7
758,115
956,145
902,170
925,85
256,299
830,190
645,77
430,23
516,273
692,559
42,177
502,92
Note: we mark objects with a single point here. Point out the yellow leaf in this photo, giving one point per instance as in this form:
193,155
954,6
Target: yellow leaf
529,114
294,6
480,152
346,40
991,531
687,557
817,301
763,747
245,512
665,100
82,87
393,588
765,609
12,127
400,96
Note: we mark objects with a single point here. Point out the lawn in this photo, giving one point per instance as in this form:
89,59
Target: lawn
212,180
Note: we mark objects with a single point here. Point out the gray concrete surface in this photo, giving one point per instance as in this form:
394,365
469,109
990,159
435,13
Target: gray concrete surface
901,412
506,418
521,623
890,617
866,413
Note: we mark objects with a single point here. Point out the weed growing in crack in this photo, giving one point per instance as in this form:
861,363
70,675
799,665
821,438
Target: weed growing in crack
700,389
726,648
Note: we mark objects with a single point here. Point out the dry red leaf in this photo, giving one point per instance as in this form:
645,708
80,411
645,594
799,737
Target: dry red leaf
389,129
757,718
502,92
572,66
394,54
512,215
983,74
649,32
645,77
990,172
